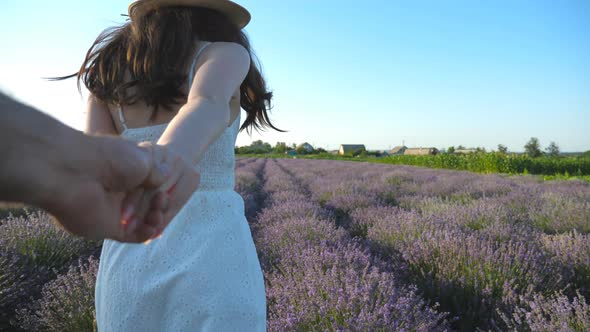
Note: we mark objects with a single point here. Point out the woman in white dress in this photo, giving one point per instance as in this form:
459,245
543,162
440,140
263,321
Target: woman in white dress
175,74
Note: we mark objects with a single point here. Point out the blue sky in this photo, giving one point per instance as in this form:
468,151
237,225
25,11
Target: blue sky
379,73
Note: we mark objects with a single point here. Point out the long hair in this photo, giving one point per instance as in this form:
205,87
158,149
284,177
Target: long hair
155,49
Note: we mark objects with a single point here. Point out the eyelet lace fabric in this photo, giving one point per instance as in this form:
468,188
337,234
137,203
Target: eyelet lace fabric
218,162
203,274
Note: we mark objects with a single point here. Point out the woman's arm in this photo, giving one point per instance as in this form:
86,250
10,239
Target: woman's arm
223,67
98,118
141,204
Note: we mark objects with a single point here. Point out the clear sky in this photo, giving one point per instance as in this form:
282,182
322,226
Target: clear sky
427,73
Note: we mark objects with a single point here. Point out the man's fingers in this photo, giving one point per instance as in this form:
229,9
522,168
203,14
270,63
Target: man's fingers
131,207
159,201
155,219
127,163
154,216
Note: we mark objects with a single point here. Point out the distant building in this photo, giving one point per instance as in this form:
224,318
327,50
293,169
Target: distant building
465,151
400,149
305,146
350,148
291,153
420,151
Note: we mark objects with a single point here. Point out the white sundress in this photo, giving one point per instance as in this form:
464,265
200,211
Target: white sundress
203,274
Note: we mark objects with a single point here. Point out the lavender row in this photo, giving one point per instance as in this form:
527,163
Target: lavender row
475,249
445,226
319,278
248,184
66,303
33,251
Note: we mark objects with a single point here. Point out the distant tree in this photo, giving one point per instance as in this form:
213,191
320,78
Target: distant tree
261,146
293,146
552,150
502,148
585,154
301,150
451,149
480,149
533,148
280,147
255,147
319,150
460,147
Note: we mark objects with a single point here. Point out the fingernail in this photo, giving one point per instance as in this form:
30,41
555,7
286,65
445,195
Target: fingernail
124,224
170,190
128,212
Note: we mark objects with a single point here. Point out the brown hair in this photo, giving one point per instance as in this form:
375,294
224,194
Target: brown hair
155,48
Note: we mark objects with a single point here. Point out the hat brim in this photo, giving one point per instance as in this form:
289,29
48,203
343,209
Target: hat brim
239,15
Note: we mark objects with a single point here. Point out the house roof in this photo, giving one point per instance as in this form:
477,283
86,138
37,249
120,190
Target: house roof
398,148
419,149
305,144
465,150
350,148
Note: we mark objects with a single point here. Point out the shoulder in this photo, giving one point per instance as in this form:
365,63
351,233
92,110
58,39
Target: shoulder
226,51
220,70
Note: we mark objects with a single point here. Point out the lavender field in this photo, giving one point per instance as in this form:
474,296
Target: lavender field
349,246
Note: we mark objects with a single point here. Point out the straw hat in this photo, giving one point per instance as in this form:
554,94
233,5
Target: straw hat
236,13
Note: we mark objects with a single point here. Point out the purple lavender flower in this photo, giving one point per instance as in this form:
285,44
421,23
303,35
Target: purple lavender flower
37,237
338,288
66,303
18,281
550,313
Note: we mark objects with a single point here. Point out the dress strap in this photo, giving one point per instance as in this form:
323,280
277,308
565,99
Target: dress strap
121,118
192,72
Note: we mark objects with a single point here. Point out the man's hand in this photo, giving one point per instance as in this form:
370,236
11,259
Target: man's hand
89,198
178,187
83,180
88,183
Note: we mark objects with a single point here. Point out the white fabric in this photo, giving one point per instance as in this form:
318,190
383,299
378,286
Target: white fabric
203,274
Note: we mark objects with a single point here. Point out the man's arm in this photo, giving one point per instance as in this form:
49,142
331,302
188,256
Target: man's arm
79,179
32,146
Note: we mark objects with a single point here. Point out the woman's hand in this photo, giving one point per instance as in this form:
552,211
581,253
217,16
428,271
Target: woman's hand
169,198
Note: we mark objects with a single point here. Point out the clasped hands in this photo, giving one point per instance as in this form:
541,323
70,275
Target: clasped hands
131,199
146,211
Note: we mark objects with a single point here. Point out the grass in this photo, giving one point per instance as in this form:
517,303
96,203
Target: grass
546,169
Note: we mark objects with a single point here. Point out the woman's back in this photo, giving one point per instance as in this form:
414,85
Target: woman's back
137,115
217,164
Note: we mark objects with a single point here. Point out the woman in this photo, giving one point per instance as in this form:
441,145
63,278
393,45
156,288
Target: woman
186,64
